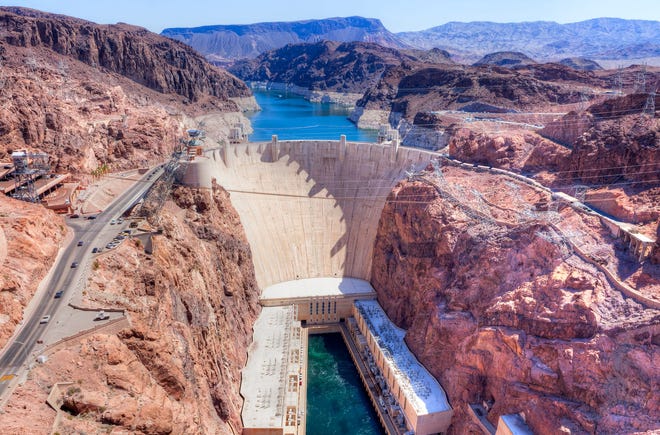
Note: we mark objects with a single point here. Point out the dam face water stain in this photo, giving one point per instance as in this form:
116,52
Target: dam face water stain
291,117
336,401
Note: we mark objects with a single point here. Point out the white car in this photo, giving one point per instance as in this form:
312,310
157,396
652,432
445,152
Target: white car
102,315
45,319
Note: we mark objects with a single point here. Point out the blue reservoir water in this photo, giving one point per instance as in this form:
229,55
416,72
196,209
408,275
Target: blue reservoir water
336,401
292,117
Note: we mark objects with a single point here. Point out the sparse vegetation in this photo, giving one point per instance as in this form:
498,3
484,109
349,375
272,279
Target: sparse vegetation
72,390
96,265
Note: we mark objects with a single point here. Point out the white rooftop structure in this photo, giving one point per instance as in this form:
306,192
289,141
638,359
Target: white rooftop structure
420,388
512,424
264,378
316,287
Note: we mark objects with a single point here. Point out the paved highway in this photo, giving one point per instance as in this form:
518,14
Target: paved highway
63,277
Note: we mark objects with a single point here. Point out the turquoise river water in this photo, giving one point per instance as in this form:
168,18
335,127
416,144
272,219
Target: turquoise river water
337,403
292,117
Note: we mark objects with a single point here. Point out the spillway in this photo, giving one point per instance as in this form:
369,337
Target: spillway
309,208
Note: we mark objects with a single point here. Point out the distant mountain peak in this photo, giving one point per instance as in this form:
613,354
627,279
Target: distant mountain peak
238,41
506,59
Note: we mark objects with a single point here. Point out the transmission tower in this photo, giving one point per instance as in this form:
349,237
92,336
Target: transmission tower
550,235
649,107
580,192
410,173
584,102
437,171
618,81
640,81
27,168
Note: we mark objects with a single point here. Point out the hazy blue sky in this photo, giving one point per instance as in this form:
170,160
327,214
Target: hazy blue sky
416,15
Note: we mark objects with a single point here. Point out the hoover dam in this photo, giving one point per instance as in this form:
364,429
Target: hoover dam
310,209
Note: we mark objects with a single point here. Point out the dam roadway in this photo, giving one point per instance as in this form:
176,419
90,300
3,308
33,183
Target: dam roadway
309,208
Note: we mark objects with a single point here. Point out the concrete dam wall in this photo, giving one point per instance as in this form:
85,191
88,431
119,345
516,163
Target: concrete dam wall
309,208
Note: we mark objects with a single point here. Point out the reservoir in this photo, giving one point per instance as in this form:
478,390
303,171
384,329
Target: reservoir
291,117
336,400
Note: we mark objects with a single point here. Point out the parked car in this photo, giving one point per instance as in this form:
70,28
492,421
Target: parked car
112,222
95,250
102,315
59,294
45,319
74,216
74,265
80,243
91,217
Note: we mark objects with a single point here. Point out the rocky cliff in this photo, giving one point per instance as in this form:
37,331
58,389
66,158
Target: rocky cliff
66,93
502,312
415,87
30,238
176,368
329,67
144,57
323,66
222,43
615,141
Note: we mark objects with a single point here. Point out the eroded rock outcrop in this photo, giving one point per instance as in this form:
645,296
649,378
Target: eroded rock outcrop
86,116
612,141
149,59
500,313
30,238
191,306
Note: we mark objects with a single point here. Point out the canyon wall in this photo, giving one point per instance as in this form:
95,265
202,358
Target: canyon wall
149,59
176,368
501,312
30,238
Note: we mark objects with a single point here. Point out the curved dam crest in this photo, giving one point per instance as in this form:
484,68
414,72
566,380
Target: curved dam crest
309,208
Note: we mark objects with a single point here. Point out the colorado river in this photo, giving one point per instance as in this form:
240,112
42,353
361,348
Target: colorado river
292,117
336,400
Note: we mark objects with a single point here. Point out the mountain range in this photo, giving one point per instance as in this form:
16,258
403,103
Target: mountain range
600,38
221,43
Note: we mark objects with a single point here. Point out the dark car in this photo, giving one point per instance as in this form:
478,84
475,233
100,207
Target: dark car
74,265
74,216
80,243
91,217
95,250
59,294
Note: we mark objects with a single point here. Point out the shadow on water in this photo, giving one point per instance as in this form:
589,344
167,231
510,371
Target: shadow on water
336,400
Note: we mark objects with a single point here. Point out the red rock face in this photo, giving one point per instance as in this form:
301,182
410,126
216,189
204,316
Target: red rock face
611,142
191,305
499,314
149,59
30,238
